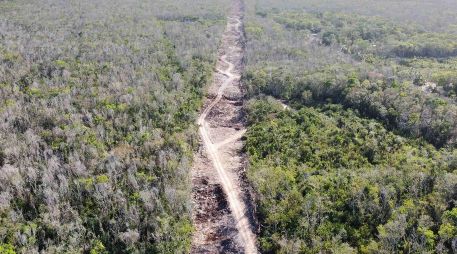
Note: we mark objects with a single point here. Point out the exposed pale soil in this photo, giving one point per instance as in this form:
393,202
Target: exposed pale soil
222,202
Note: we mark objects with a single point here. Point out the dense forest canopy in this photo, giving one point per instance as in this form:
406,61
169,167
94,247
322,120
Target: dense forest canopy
97,107
368,63
350,107
431,15
363,160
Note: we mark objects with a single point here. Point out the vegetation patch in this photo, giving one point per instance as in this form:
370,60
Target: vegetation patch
98,102
330,180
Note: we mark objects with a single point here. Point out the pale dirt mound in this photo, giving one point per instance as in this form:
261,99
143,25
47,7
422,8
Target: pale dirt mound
212,90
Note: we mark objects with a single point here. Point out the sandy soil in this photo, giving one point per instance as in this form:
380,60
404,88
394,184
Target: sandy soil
223,214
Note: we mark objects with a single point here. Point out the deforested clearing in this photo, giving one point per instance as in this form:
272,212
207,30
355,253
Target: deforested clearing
228,126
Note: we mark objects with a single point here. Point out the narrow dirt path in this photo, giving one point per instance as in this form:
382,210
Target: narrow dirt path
222,213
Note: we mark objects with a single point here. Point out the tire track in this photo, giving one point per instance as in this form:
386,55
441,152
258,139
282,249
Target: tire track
221,166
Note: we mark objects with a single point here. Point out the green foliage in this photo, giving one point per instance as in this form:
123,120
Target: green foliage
98,248
349,167
102,179
7,249
329,180
98,102
253,29
300,22
392,99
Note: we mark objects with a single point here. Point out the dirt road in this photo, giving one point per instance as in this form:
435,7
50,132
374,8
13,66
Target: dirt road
221,199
